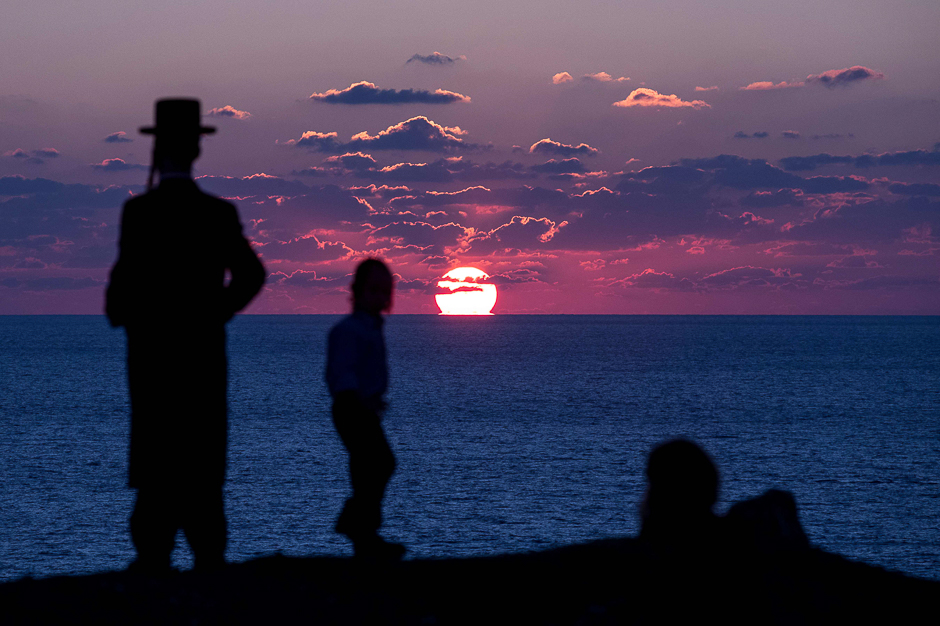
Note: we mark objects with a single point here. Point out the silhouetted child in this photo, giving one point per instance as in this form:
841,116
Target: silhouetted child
357,376
682,487
168,291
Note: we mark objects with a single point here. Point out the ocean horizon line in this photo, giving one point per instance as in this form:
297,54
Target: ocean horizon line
858,315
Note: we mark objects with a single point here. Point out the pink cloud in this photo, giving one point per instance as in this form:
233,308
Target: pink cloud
561,77
748,276
651,279
855,262
845,76
766,85
644,97
416,133
713,88
365,92
549,146
117,165
228,111
604,77
118,137
520,232
315,140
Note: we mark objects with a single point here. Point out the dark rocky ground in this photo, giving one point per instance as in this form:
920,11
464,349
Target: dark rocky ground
615,581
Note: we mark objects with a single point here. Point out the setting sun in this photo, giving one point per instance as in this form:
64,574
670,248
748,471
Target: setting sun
467,296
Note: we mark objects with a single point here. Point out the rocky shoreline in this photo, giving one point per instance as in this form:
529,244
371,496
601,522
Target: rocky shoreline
613,581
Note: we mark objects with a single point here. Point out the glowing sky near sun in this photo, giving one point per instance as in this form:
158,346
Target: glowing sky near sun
590,157
465,293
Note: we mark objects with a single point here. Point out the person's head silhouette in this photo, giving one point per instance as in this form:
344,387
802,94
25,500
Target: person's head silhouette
176,132
372,287
682,487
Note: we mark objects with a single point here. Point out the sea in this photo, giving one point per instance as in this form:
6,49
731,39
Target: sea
512,433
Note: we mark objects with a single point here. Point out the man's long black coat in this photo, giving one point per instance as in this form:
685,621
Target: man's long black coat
168,291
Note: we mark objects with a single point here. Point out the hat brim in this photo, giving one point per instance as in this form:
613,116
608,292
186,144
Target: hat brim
153,130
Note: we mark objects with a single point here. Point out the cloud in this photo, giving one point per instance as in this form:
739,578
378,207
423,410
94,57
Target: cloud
47,153
521,198
790,134
67,213
758,135
367,93
352,161
747,276
803,248
117,165
856,261
915,189
834,136
767,199
871,221
740,173
118,137
435,58
516,276
566,166
712,88
548,146
644,97
448,169
19,153
307,279
420,234
810,163
720,161
521,232
229,111
844,77
253,185
92,256
313,172
320,142
651,279
888,282
58,283
20,185
308,249
561,77
603,77
417,133
912,157
285,217
766,85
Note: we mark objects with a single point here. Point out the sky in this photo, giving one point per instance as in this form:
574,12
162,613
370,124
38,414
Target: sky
646,157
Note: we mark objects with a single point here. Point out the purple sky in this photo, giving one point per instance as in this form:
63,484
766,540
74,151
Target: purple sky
593,157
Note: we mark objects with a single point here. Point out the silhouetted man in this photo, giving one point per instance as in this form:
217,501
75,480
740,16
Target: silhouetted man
357,376
168,290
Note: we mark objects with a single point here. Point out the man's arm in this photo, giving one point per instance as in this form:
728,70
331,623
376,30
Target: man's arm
116,295
248,273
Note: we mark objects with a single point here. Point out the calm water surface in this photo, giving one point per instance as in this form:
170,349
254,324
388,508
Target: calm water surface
513,433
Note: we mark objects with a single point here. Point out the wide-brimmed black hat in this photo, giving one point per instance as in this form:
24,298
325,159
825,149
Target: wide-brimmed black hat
177,116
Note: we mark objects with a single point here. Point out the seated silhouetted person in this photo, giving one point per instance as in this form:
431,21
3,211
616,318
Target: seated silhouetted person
168,290
682,487
767,523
